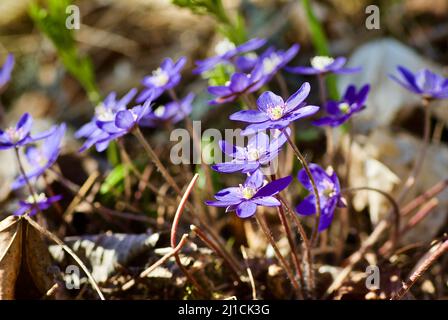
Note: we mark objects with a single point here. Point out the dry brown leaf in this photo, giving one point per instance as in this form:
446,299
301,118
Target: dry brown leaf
20,264
10,255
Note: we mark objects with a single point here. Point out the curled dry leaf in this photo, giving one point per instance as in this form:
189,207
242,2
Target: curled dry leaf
24,261
10,256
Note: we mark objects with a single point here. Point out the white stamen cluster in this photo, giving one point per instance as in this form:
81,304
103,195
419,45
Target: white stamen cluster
247,192
104,114
160,77
275,112
271,62
321,62
224,46
36,198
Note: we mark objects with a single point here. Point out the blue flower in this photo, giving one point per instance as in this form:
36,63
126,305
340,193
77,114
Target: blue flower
104,112
260,151
329,194
239,84
43,157
35,203
254,192
340,111
164,78
227,52
172,112
425,83
20,134
323,65
274,113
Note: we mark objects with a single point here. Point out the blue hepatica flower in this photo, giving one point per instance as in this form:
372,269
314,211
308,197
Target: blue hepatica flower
340,111
272,61
260,151
425,83
172,112
274,113
226,52
33,204
20,135
166,77
329,194
104,112
5,71
239,84
43,157
323,65
254,192
124,122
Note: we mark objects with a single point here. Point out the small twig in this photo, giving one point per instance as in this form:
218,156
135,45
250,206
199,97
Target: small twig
173,240
430,258
67,249
421,199
158,263
395,207
201,234
249,273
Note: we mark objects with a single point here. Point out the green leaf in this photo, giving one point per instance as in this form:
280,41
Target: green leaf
115,177
51,21
320,44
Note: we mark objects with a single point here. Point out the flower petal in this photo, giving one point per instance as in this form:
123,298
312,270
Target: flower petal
274,187
246,209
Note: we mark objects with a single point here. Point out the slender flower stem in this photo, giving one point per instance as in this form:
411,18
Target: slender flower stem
25,177
292,245
383,225
151,153
421,269
313,184
155,159
328,130
306,245
418,164
262,223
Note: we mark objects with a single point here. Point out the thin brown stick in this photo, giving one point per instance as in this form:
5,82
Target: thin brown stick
158,263
212,245
67,249
249,273
430,258
173,240
427,195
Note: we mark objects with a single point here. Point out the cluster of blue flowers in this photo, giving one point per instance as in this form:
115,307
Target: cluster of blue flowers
249,72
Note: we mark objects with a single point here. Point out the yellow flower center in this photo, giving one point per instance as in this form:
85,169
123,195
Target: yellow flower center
103,114
275,112
36,198
160,77
344,107
159,111
224,46
247,192
14,134
253,154
270,63
321,62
